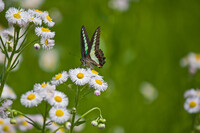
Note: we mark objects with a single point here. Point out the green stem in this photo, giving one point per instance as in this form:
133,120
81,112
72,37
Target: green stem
45,117
6,72
89,111
74,112
58,129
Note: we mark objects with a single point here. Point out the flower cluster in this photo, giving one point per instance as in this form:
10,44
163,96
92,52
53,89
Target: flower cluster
47,92
193,61
58,100
192,103
32,17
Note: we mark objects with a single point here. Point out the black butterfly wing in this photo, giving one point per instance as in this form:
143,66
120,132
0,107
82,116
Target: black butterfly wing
94,52
84,42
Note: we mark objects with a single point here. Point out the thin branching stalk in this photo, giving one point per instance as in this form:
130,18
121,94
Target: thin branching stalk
75,107
45,117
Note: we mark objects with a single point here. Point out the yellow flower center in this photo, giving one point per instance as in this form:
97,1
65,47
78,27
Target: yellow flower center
192,104
17,15
58,76
43,85
31,97
6,128
58,99
48,18
59,113
1,122
45,30
80,75
95,72
98,81
19,12
24,123
46,42
38,11
197,57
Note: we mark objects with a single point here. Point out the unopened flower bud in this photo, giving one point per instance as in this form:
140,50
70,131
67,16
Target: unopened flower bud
9,46
37,46
101,126
73,110
68,125
97,93
15,113
13,121
94,123
10,115
102,120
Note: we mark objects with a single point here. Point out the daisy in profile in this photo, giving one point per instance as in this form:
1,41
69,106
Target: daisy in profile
192,105
98,84
7,34
47,19
44,32
59,99
30,99
45,90
15,16
60,78
79,76
192,93
47,43
59,114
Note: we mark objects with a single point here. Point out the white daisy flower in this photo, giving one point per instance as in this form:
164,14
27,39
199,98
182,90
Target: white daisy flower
18,17
59,114
8,93
48,20
60,78
98,84
45,90
47,43
59,99
30,99
79,75
44,32
23,125
7,128
192,105
192,93
35,20
37,118
2,5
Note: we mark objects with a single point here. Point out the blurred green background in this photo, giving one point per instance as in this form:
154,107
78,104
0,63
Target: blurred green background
142,44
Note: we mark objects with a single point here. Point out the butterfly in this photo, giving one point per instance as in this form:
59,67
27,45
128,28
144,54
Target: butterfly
91,54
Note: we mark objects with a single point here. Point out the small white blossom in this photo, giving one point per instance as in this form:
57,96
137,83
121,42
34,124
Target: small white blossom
15,16
44,32
58,114
30,99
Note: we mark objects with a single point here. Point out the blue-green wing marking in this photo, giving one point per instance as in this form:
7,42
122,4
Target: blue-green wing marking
94,45
84,42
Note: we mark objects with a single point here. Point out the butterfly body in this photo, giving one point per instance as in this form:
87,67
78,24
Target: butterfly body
91,54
